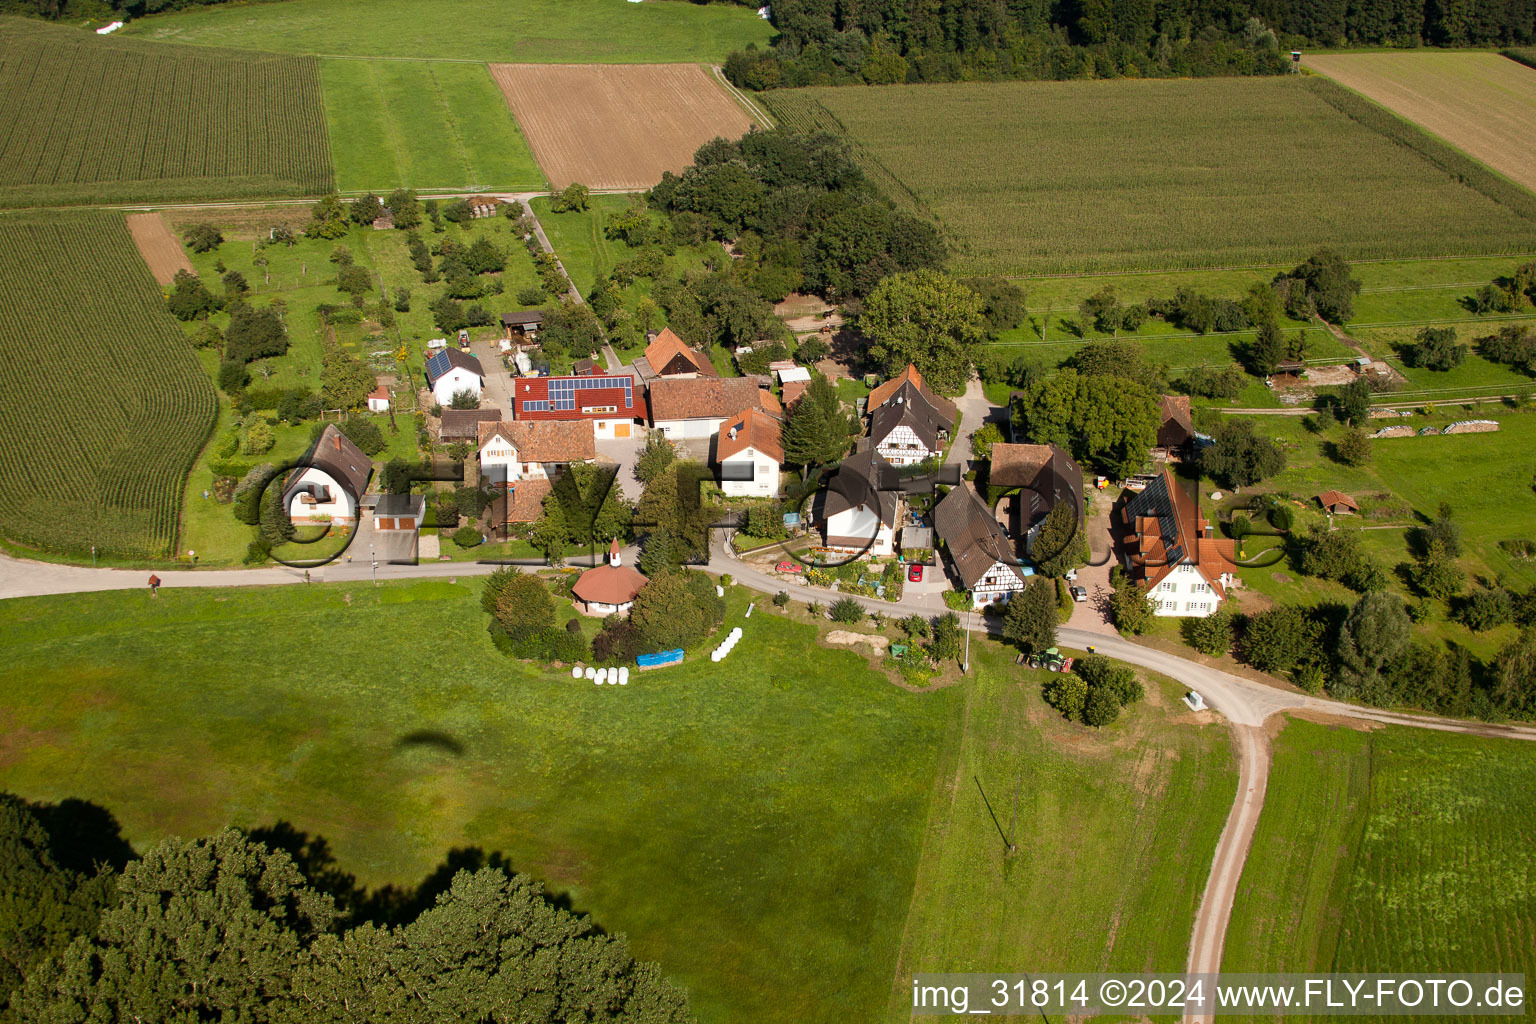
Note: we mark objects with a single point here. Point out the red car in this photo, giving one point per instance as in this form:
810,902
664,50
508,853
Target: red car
914,573
790,567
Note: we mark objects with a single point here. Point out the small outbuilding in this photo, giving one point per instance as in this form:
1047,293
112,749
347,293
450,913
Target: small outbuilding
608,589
378,399
1338,503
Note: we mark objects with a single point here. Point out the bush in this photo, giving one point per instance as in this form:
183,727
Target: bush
233,377
402,300
1130,607
1281,518
848,611
1067,693
781,599
362,432
467,537
530,295
1211,636
959,600
1486,609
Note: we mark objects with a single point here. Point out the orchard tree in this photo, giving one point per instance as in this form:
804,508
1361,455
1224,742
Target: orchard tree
1355,402
366,210
1373,638
190,299
928,319
1239,457
203,237
1353,447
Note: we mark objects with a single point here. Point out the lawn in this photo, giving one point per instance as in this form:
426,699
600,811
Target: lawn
423,125
756,830
541,31
1041,177
1391,850
1115,832
97,120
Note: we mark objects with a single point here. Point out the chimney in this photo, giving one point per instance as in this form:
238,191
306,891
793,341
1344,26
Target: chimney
613,553
337,438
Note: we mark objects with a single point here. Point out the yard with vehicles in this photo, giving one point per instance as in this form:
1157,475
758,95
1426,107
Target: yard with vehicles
755,831
563,109
552,31
1481,103
974,154
93,120
423,125
1392,846
104,404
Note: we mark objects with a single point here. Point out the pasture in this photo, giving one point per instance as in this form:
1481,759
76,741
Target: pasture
103,406
755,831
1481,103
423,125
1074,177
1395,848
553,31
1115,830
617,126
85,119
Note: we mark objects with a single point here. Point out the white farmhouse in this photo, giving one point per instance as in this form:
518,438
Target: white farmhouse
908,423
750,450
694,407
532,449
862,506
450,371
329,482
1174,553
982,554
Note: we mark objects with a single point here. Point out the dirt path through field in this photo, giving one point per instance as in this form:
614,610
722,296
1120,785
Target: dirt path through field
1481,103
617,125
160,249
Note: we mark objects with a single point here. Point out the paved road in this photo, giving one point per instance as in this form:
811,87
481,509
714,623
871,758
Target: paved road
974,411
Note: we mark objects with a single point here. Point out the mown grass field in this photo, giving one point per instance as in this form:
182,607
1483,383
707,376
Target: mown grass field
103,406
1391,850
1115,830
423,125
539,31
755,829
85,119
1043,177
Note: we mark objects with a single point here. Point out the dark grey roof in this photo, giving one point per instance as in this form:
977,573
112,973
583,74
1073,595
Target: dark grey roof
522,317
396,505
334,453
464,424
863,479
1155,501
446,359
909,407
975,540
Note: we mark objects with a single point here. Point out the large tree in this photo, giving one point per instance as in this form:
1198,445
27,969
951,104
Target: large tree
1061,544
928,319
1373,637
1030,621
676,608
819,431
1239,457
1109,422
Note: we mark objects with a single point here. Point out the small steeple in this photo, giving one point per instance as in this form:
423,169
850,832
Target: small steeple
613,553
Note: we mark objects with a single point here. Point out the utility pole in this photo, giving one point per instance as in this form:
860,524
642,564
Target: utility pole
965,666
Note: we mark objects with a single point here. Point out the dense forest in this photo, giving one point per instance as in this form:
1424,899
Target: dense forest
828,42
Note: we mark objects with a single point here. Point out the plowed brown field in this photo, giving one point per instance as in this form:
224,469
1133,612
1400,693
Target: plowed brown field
617,125
1481,103
160,249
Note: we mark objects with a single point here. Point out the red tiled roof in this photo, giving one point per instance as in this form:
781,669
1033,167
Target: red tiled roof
886,391
544,440
753,430
527,502
667,346
1332,498
705,398
609,584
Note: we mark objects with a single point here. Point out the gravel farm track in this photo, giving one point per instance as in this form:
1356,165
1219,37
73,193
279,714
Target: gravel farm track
160,248
1481,103
617,125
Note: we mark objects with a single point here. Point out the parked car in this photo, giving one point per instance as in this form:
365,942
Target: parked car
914,573
790,567
1079,594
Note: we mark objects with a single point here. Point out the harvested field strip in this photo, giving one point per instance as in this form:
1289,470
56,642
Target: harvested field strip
1081,177
1473,103
85,120
617,126
103,406
160,248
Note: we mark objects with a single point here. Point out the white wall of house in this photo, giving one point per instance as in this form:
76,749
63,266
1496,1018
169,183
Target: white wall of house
765,475
316,481
1186,593
1000,583
456,379
599,608
680,430
499,461
863,523
901,447
606,428
381,404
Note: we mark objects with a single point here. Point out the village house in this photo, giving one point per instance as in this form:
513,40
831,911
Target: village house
330,480
980,551
694,407
1338,503
1045,476
668,356
750,450
908,423
1173,551
608,589
861,506
450,371
606,402
531,449
521,501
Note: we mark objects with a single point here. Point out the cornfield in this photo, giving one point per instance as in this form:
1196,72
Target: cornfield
103,405
89,120
1081,177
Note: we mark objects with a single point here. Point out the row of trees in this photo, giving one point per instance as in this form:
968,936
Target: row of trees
230,927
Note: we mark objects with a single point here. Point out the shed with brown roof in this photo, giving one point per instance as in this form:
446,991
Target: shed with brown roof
464,424
1176,429
1339,503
